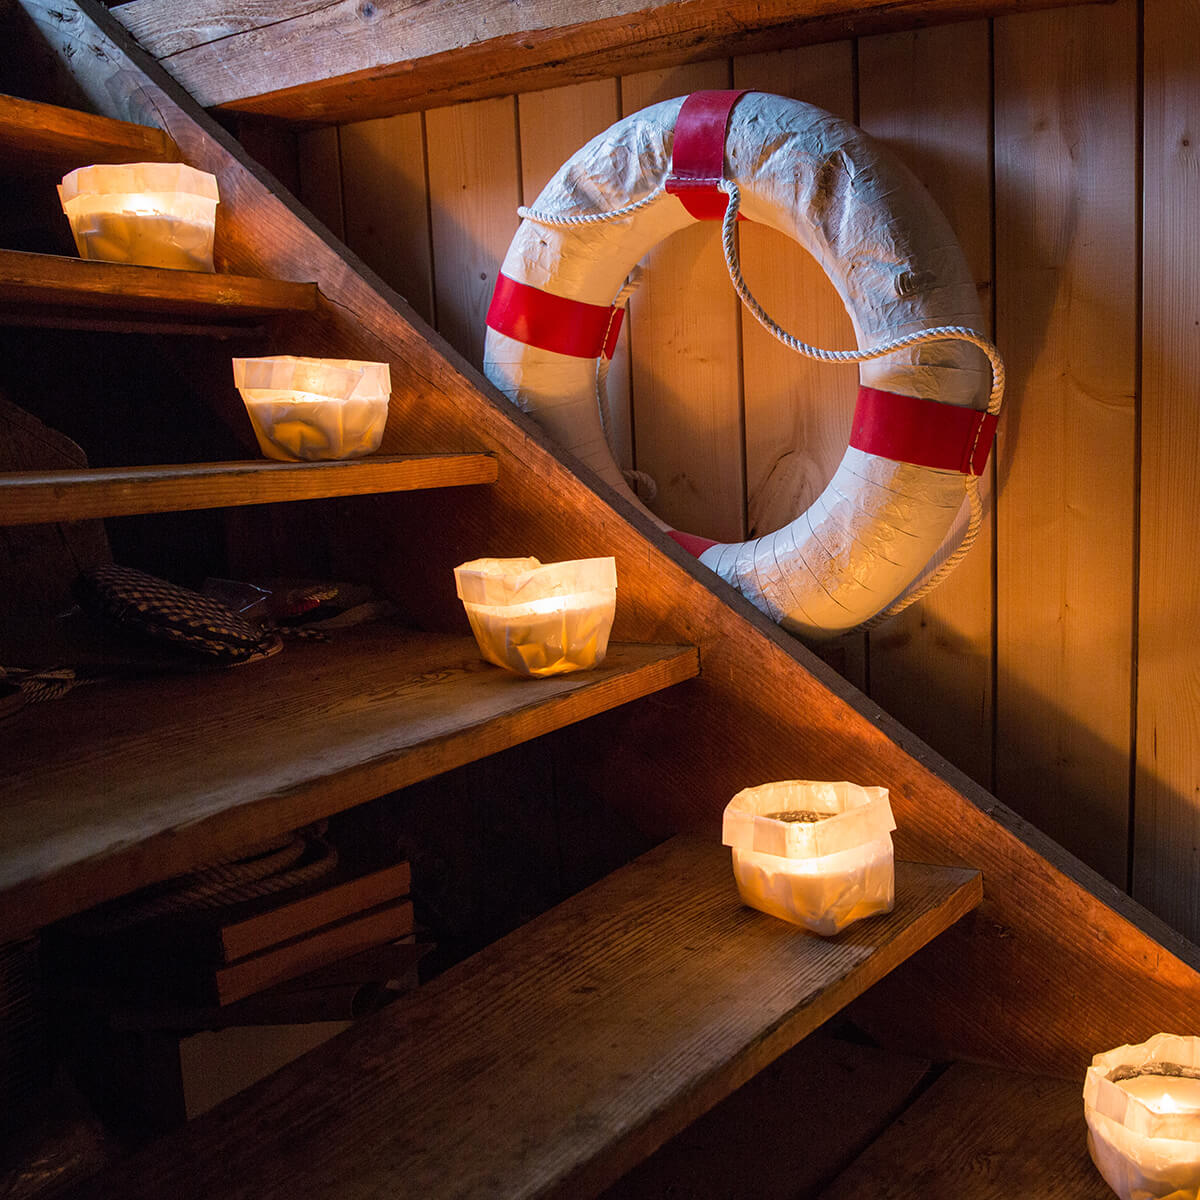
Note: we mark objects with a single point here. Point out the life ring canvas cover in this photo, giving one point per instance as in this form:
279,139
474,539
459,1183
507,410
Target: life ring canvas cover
881,526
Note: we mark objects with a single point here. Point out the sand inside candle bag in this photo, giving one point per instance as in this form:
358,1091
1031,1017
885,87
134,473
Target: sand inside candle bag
1169,1069
311,429
805,815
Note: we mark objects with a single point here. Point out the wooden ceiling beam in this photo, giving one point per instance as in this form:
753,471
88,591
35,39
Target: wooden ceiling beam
356,59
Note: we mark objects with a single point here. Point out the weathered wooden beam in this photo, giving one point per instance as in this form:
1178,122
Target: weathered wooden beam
356,59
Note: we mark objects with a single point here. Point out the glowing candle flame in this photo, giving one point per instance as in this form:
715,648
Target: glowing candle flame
1165,1094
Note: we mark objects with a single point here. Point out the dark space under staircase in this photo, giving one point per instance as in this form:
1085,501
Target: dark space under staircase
558,1058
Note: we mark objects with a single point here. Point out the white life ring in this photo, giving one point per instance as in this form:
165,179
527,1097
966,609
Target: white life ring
883,525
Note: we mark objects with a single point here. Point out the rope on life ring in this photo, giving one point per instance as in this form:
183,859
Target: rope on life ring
904,506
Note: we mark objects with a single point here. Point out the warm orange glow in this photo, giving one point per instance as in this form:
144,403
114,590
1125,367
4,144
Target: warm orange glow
823,871
1142,1107
1164,1094
540,619
314,409
147,214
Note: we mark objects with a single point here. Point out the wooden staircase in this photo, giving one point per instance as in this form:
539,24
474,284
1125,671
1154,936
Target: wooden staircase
558,1058
555,1060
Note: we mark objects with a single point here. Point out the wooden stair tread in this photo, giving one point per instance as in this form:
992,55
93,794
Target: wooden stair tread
35,497
33,282
131,781
848,1093
33,134
557,1058
981,1134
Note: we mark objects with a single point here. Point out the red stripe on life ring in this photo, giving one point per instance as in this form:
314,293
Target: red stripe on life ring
693,543
557,323
922,432
698,153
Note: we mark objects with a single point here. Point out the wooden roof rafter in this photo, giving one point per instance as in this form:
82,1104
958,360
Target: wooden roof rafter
358,59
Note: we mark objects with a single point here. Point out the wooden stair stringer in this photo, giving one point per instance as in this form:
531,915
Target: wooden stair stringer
1056,964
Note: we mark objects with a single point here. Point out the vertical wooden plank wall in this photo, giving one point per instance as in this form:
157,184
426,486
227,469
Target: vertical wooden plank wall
927,96
798,412
1167,796
474,191
1066,294
387,210
319,163
553,125
686,331
1026,668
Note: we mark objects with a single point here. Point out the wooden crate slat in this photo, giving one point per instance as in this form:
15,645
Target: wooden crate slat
74,283
36,497
48,136
128,782
557,1058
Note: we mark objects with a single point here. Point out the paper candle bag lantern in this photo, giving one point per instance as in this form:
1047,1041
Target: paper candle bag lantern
307,409
816,854
1142,1107
538,619
149,214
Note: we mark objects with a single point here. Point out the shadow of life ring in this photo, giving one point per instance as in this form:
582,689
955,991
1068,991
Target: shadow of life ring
903,506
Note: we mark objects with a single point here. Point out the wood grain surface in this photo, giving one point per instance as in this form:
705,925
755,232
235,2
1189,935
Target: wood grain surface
319,165
553,125
1066,163
558,1057
788,1131
40,563
687,390
926,96
347,63
1168,732
35,497
797,411
128,782
33,134
1020,980
979,1134
386,202
474,191
74,283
